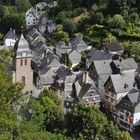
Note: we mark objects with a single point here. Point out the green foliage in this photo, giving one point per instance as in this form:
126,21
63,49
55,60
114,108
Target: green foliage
117,22
1,12
10,97
70,26
60,18
13,21
23,5
65,4
97,18
54,113
61,35
89,123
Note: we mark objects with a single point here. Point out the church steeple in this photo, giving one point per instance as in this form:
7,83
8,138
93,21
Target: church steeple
24,72
23,49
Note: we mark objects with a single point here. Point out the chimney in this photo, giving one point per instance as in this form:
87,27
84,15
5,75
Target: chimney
14,31
85,77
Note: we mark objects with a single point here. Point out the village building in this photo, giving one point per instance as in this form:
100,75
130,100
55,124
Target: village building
96,55
113,47
79,44
32,18
116,87
123,65
23,72
86,90
10,38
99,72
128,111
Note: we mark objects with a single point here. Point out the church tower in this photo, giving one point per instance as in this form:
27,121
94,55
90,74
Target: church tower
24,73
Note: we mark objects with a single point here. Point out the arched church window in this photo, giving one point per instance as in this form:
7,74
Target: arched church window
23,80
26,61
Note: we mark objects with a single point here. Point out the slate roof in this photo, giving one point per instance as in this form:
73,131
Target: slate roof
11,34
62,47
98,55
123,82
112,46
62,72
70,78
126,64
78,43
83,84
103,67
51,26
42,28
49,61
43,20
75,57
33,12
34,35
22,46
39,47
49,77
130,102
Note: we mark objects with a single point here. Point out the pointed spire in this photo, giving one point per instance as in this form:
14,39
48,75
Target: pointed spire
23,44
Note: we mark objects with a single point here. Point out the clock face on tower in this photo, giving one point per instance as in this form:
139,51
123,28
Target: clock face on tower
23,54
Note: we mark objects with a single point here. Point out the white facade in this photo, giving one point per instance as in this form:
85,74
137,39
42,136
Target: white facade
31,17
10,42
136,119
10,38
124,122
30,20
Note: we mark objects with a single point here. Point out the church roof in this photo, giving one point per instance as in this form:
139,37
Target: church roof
22,44
22,48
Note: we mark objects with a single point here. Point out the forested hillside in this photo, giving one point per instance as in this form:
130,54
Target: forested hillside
98,21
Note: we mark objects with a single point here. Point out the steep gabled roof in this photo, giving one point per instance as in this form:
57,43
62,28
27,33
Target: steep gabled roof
123,82
126,64
112,46
103,67
98,55
49,61
75,57
11,34
130,102
78,43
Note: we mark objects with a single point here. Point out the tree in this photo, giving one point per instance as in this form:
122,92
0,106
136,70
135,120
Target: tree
23,5
97,18
134,18
54,115
10,96
117,22
85,121
70,26
1,12
60,18
33,116
12,21
65,4
89,123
